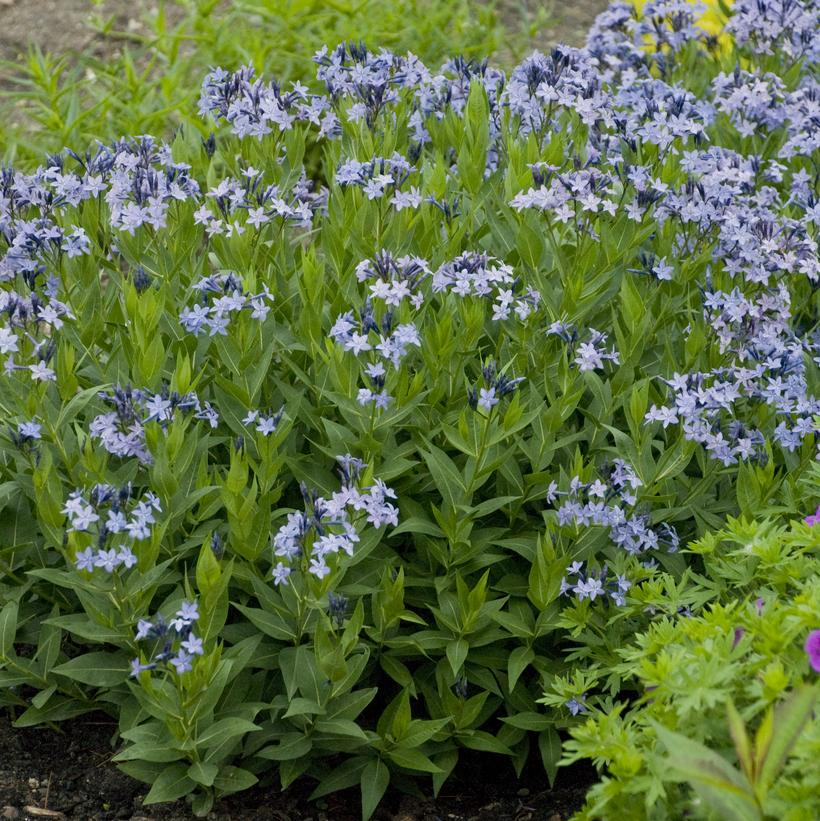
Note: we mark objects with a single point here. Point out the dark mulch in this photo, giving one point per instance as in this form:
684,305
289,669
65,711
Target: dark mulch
70,774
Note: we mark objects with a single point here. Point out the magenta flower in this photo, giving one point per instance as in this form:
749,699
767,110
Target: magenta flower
812,648
811,521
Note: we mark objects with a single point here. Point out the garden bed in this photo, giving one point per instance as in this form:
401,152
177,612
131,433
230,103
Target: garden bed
71,773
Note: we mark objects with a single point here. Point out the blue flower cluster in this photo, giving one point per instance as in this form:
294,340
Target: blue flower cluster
28,326
255,109
604,503
377,176
398,283
589,355
27,435
86,513
496,386
476,274
258,203
179,646
787,26
324,528
122,431
222,295
593,584
143,180
767,371
265,424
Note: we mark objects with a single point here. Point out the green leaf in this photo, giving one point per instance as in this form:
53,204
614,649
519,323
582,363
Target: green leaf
790,719
224,729
291,746
519,660
303,706
743,746
374,781
150,751
412,760
98,669
41,699
8,628
341,727
446,476
719,784
398,671
233,779
80,625
345,775
58,708
203,773
457,651
528,721
271,624
172,783
202,803
420,730
483,742
549,745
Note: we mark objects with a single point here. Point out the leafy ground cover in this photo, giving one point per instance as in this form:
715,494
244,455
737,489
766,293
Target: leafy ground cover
394,417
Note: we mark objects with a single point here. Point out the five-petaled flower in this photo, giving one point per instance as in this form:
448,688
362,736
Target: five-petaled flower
812,520
812,648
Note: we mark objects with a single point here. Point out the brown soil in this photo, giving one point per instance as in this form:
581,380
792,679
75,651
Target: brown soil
61,26
69,775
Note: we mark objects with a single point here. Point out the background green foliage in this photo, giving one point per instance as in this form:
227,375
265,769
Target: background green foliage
72,100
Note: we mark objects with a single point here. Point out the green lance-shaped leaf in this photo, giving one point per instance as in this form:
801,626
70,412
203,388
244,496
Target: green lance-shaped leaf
743,745
719,784
98,669
172,783
375,778
790,718
8,628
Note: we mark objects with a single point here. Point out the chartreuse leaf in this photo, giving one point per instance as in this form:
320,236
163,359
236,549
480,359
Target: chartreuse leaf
740,737
457,651
207,568
717,782
790,718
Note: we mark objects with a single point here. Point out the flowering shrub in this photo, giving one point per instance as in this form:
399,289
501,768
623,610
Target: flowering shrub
391,404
